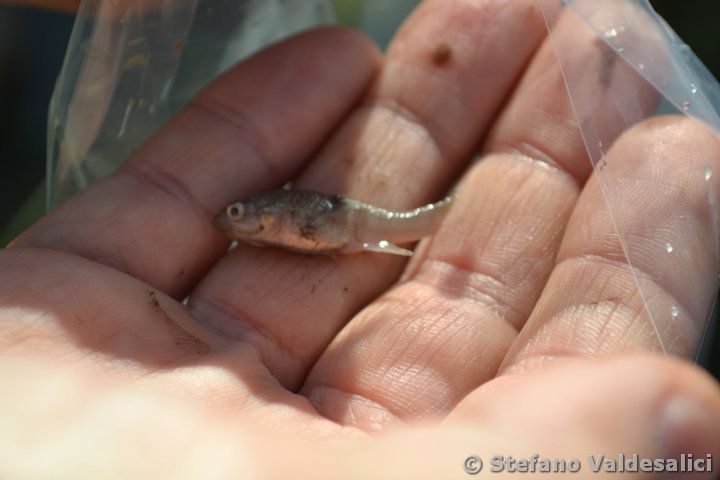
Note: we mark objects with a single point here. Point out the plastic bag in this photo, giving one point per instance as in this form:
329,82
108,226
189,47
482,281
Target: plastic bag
129,66
645,70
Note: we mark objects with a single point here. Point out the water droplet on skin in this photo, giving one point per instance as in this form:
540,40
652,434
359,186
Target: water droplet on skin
674,311
602,165
707,172
669,248
612,33
686,105
641,66
620,49
693,88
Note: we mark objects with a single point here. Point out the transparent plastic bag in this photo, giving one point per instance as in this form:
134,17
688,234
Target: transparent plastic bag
129,66
646,71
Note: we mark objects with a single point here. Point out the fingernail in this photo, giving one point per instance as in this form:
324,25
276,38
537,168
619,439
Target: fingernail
691,435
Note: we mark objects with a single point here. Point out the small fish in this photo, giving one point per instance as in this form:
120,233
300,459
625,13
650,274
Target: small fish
317,223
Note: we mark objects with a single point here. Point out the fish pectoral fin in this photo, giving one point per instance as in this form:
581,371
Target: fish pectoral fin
255,244
384,246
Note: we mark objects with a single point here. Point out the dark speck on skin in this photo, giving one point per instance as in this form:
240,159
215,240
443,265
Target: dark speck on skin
153,299
181,338
345,289
441,54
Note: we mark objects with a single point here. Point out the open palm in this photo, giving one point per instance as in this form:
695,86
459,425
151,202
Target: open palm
301,350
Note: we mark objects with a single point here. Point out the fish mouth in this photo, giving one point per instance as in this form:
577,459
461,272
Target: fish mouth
221,224
234,230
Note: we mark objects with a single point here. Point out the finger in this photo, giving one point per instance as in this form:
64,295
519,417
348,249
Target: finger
653,407
660,196
247,132
400,148
436,337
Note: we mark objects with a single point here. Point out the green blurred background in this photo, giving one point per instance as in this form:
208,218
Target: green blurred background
32,45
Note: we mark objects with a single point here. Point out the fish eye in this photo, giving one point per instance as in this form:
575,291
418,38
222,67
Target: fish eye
235,210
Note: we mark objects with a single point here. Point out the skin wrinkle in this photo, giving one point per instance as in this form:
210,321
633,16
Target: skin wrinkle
502,215
603,328
424,356
319,394
418,361
559,228
612,263
425,130
372,391
423,395
409,333
163,181
498,224
615,316
529,150
475,287
637,272
431,354
251,136
268,354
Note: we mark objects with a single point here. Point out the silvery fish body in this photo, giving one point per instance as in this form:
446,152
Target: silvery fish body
318,223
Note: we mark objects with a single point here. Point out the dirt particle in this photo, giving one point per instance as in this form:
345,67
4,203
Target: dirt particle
177,334
136,42
134,62
153,300
441,54
178,44
345,289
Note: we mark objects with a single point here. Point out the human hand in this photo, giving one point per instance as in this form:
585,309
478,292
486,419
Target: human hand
284,356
